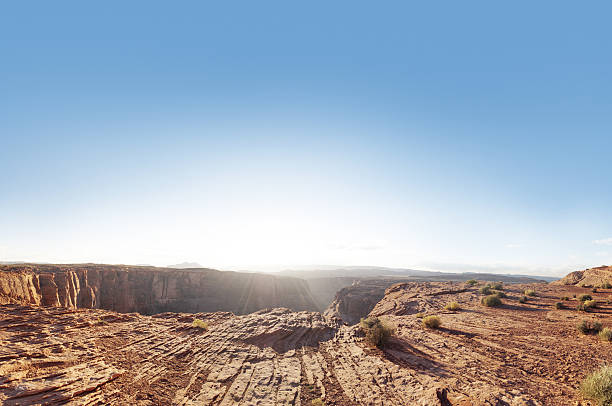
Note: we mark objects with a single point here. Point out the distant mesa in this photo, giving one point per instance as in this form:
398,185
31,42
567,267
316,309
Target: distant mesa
186,265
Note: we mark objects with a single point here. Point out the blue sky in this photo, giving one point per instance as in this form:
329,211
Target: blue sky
447,136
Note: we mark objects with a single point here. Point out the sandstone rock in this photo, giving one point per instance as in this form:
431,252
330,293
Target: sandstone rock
150,290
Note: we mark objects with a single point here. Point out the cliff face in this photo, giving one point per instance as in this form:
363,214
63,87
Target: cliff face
592,277
356,301
150,290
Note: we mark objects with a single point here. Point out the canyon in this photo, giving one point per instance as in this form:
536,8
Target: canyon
522,353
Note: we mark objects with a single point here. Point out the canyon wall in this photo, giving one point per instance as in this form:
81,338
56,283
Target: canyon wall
150,290
356,301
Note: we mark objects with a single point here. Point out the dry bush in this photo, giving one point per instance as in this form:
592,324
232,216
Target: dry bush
472,282
377,332
485,290
200,324
491,301
606,334
523,299
559,305
317,402
606,285
530,292
584,298
588,327
597,386
453,306
432,322
497,286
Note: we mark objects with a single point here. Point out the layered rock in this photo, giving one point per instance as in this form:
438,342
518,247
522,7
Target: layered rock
521,354
150,290
356,301
591,277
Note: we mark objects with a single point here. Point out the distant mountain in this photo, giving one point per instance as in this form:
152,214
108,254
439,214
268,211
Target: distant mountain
186,265
382,272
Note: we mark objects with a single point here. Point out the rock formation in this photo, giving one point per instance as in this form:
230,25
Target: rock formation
521,354
150,290
592,277
356,301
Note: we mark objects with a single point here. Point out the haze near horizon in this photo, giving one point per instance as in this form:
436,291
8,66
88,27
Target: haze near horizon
275,135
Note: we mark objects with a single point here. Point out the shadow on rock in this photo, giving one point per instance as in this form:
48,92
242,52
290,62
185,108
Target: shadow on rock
402,353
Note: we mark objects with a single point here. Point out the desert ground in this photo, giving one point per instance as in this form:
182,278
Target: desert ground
527,353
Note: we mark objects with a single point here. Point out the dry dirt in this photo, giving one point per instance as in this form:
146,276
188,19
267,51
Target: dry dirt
519,354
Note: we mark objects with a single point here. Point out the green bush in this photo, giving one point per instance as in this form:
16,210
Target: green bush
454,306
485,290
377,332
432,322
597,386
200,324
530,292
500,295
584,298
588,327
497,286
559,305
586,306
491,301
523,299
606,334
472,282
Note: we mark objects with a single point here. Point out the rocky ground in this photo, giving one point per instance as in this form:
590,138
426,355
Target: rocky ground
518,354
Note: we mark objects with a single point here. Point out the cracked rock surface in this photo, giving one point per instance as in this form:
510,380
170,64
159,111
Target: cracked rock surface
518,354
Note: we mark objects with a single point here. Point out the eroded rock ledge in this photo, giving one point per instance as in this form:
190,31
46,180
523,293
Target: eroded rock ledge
150,290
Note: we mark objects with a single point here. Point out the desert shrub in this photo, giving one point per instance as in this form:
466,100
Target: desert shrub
594,290
454,306
590,304
485,290
500,295
588,327
606,285
559,305
317,402
584,298
377,331
597,386
606,334
523,299
497,286
420,315
530,292
432,322
472,282
491,301
200,324
564,297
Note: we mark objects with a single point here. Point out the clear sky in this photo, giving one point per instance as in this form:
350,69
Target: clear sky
433,135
